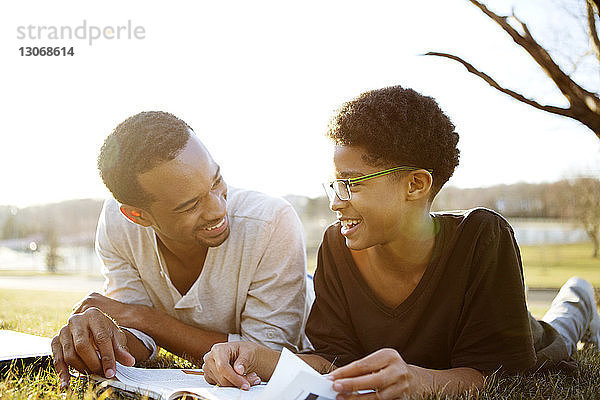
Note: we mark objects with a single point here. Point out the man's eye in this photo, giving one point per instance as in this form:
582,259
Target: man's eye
193,207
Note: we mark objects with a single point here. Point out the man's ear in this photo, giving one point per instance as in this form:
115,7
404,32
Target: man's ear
419,184
135,215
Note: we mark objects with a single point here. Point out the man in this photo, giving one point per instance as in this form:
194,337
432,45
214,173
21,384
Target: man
188,261
409,301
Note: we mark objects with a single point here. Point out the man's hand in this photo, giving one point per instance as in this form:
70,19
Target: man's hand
239,364
383,371
79,342
124,314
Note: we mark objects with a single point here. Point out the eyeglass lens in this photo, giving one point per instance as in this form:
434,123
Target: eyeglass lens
341,189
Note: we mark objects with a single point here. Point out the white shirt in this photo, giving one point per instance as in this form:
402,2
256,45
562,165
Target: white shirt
252,287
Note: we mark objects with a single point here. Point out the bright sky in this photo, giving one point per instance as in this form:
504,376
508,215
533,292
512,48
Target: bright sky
258,81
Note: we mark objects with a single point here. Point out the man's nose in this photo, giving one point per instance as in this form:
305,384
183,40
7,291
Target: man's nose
216,207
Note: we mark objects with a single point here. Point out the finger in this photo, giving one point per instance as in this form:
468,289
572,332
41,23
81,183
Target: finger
371,363
242,364
122,353
370,381
61,368
222,356
84,348
68,349
363,396
212,376
253,378
102,330
208,373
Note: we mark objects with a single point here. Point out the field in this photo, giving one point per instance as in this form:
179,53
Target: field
551,266
44,312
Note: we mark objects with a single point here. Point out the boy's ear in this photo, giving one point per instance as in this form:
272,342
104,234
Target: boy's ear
419,184
135,215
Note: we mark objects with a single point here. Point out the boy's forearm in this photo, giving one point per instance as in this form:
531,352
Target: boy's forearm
449,381
318,363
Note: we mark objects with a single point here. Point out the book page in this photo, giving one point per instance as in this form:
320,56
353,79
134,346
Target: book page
15,345
169,383
296,380
292,379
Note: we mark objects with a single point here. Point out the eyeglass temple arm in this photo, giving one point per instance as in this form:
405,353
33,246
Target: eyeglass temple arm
387,171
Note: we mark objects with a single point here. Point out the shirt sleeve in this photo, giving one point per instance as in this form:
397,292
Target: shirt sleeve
122,280
276,306
329,327
493,330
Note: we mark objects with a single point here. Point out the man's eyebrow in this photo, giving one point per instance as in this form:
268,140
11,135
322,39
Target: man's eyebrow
189,202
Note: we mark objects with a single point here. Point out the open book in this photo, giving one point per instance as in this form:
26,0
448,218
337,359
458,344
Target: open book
292,379
16,345
20,350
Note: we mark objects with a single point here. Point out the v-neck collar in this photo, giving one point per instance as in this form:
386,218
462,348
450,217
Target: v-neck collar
414,296
190,299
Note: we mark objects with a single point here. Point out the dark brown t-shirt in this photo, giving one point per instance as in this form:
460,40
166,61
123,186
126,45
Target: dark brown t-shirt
468,310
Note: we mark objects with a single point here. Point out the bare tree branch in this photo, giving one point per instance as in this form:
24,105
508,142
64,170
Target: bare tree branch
571,90
552,109
584,106
591,18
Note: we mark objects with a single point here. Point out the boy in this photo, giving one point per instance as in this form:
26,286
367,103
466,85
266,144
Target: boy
409,301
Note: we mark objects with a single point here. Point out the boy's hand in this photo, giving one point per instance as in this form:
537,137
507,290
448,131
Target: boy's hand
383,371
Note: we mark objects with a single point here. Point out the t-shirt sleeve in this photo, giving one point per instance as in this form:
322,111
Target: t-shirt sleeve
122,280
329,327
493,331
276,306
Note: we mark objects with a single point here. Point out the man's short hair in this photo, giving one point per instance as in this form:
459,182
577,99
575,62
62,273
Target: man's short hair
397,126
135,146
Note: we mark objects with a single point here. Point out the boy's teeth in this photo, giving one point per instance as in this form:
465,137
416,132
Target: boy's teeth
348,223
217,225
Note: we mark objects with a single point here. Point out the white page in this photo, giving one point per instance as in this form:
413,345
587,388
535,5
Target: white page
169,381
306,386
295,379
21,345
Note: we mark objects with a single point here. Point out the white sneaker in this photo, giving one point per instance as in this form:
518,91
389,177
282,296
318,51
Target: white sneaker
592,335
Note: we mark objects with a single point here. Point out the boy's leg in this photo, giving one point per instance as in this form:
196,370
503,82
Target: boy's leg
574,315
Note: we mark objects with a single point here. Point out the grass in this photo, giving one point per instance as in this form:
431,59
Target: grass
551,265
37,312
44,312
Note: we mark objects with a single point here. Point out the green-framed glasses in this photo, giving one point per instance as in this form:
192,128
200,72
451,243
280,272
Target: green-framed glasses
341,187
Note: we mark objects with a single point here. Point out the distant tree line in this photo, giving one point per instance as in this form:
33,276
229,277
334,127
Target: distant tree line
74,222
520,200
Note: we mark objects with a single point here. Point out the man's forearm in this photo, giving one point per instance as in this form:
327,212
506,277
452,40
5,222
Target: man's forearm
177,337
450,381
